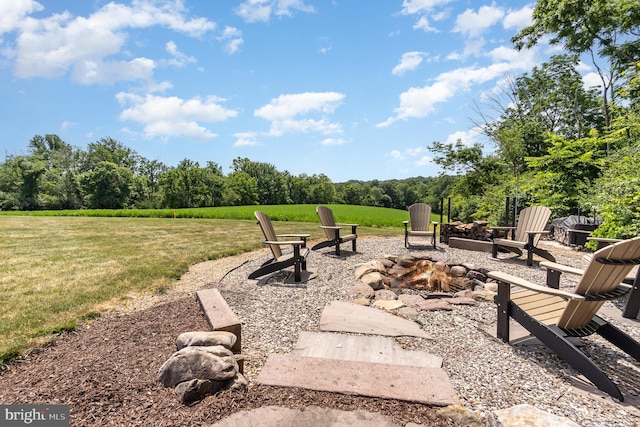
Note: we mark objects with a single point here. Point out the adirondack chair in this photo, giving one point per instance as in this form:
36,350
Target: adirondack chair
632,305
553,315
280,261
531,225
418,224
332,231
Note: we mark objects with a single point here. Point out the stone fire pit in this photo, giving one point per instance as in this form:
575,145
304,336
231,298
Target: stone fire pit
396,277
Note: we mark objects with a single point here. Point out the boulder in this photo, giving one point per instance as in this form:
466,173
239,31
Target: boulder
206,339
214,363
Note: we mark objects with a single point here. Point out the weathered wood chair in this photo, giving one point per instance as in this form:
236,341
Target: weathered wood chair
295,258
419,223
554,315
526,235
332,231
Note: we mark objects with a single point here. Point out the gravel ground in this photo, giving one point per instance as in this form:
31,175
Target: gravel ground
106,370
486,373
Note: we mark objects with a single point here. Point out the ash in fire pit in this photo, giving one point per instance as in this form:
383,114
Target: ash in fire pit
420,273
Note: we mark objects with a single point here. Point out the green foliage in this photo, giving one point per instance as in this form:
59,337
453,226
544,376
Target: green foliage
107,186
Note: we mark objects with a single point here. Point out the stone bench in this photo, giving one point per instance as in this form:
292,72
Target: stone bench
219,315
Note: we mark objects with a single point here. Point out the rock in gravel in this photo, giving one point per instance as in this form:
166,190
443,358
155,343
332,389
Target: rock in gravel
205,363
206,339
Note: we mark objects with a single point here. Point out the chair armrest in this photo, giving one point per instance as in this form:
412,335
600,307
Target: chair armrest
435,222
554,266
330,227
517,281
603,240
405,222
538,232
348,225
285,242
301,236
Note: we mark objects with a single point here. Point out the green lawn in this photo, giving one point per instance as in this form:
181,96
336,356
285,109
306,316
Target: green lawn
59,270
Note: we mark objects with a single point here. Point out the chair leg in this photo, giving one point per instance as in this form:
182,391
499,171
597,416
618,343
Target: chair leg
503,303
555,340
494,250
632,307
618,338
296,266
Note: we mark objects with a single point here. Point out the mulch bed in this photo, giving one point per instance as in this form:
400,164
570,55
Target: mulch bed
106,372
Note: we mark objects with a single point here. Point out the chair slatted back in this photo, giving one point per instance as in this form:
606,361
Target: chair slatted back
533,218
599,278
326,219
420,216
269,234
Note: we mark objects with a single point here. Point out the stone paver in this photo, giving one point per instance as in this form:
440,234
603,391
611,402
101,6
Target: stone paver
339,316
430,386
361,348
274,416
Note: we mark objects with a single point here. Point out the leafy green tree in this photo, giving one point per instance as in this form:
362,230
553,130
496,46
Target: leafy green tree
607,29
569,168
58,187
189,186
615,196
240,189
107,186
272,185
321,190
108,150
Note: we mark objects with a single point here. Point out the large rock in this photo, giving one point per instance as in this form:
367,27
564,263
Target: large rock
526,415
206,339
373,279
214,363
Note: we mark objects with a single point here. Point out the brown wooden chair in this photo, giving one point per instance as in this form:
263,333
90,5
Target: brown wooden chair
332,231
526,235
295,258
554,315
419,223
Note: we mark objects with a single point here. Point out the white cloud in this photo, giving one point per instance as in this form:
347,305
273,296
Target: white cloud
261,10
410,7
60,44
592,79
473,24
423,24
173,116
284,110
233,39
246,139
333,141
179,58
467,138
13,12
409,62
67,124
517,19
424,161
417,102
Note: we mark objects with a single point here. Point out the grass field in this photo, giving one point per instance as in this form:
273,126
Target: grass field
59,270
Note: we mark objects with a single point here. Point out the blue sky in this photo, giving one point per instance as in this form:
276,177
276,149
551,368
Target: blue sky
350,89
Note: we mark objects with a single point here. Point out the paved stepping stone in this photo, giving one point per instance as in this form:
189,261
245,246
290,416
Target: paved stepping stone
341,316
430,386
361,348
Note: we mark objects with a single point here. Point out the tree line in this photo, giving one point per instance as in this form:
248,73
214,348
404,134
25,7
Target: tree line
109,175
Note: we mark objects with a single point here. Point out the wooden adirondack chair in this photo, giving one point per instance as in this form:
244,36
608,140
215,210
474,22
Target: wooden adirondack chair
554,315
295,258
419,222
332,231
531,225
